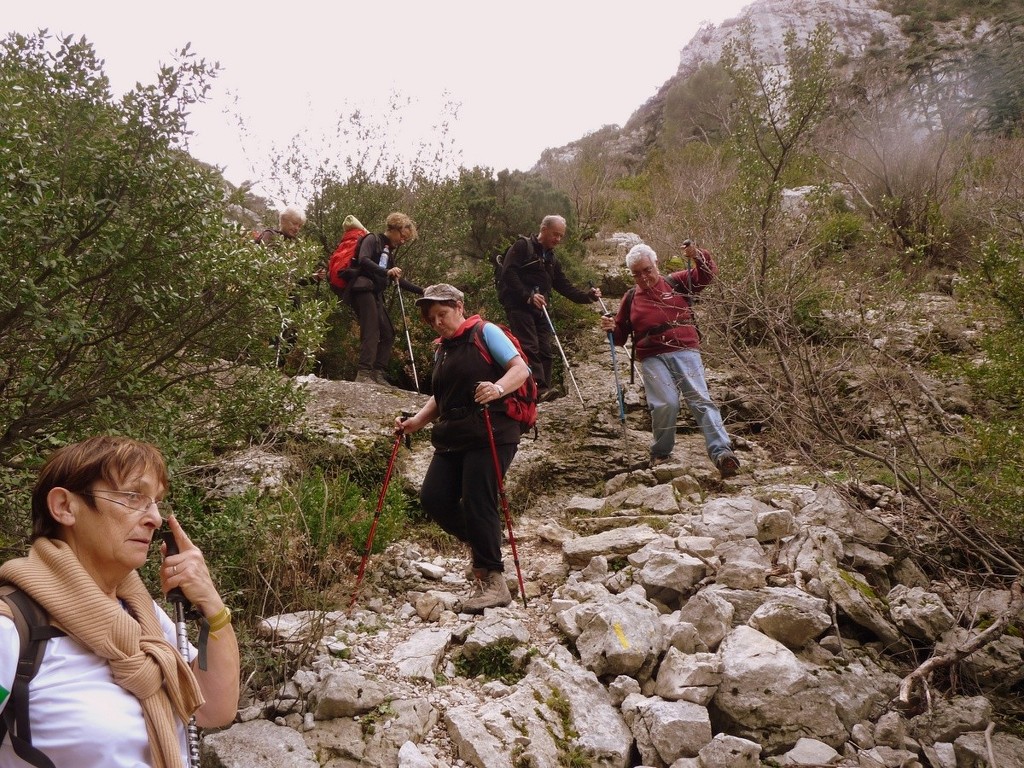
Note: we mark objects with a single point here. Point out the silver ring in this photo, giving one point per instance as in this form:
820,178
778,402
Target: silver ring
174,569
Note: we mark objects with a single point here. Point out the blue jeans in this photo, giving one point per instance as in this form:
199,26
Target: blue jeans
668,375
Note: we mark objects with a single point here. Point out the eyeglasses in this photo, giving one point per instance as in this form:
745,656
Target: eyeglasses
643,271
136,502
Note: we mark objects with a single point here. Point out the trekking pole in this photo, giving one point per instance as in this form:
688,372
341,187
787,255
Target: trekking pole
181,605
562,351
280,338
615,368
504,502
376,517
408,341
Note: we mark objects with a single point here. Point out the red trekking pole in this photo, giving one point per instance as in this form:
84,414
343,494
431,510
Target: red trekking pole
376,517
504,503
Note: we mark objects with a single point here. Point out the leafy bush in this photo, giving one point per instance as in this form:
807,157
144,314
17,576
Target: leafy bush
128,302
991,472
282,553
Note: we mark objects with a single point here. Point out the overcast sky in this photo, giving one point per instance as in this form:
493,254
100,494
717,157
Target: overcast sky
526,74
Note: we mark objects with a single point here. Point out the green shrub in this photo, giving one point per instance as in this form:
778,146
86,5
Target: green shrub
840,232
129,302
494,662
990,473
810,319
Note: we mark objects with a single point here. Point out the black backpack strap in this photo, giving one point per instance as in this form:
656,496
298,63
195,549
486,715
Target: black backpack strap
34,629
686,291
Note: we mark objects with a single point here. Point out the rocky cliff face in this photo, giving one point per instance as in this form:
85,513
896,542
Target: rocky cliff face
856,24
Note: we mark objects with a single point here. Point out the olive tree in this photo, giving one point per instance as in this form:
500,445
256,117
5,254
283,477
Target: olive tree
777,108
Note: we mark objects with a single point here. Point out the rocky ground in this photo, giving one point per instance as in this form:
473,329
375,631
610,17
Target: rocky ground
671,618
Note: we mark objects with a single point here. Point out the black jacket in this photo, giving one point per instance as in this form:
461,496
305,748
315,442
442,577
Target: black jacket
458,367
372,276
526,266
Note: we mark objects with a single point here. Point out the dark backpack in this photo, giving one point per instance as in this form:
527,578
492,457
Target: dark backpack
34,629
499,261
258,236
341,268
520,404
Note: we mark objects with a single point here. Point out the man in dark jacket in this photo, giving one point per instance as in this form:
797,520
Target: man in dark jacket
528,274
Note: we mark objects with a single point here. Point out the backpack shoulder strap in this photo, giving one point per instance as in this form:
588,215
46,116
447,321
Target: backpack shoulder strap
359,244
678,286
531,249
478,341
627,300
34,629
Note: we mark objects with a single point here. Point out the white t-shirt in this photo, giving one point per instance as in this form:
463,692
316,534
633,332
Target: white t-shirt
80,717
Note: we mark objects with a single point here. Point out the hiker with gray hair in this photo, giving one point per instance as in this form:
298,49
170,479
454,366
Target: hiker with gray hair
289,222
529,273
657,312
460,488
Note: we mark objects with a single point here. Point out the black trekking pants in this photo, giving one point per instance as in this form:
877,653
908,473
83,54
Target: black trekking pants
460,494
531,328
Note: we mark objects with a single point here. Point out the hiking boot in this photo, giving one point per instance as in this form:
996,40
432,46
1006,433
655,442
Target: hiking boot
476,578
494,594
365,376
659,460
728,465
547,395
378,377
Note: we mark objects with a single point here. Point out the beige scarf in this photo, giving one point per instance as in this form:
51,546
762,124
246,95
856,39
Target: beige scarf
133,643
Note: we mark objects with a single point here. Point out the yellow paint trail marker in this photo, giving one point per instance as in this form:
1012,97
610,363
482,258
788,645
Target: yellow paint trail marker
621,635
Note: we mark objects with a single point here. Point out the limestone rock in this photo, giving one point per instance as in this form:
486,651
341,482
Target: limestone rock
257,744
770,697
668,730
419,656
726,751
344,693
619,541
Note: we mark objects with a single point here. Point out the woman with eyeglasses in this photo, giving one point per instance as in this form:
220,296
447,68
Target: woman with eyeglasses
113,690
